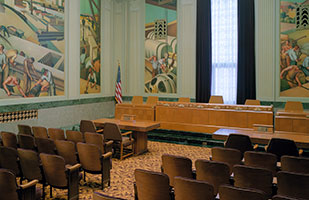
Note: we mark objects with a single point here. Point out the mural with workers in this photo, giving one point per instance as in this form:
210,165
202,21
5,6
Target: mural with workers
161,46
90,46
32,48
294,48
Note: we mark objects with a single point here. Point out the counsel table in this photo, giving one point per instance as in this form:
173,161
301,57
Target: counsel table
139,128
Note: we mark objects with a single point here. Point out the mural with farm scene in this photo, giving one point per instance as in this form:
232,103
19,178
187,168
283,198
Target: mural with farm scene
32,48
294,48
90,46
161,46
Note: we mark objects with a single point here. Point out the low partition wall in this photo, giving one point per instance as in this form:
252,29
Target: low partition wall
141,111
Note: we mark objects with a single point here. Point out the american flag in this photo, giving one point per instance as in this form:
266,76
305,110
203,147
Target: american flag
118,93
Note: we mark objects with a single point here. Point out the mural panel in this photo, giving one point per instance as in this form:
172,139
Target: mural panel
32,48
294,48
161,46
90,46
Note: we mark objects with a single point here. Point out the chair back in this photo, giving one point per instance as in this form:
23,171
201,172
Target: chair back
54,170
192,189
261,160
152,100
9,139
227,192
240,142
87,126
216,100
294,106
39,132
112,132
281,147
45,145
67,150
137,100
26,141
227,155
176,166
252,177
184,99
99,196
8,159
24,129
89,156
30,164
56,134
74,136
152,185
96,139
293,185
8,186
215,173
252,102
295,164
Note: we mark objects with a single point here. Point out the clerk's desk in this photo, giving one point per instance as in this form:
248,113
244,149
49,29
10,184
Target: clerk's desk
139,128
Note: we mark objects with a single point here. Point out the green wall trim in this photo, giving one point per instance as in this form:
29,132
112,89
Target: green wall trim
281,104
53,104
172,99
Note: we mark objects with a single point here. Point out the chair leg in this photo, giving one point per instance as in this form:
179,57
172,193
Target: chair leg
84,176
51,191
102,182
121,151
43,191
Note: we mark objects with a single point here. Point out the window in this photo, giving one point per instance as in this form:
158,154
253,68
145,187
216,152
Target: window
224,49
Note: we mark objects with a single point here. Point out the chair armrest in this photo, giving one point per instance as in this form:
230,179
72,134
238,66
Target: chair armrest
256,146
107,155
100,131
300,151
28,185
108,143
266,148
126,133
74,167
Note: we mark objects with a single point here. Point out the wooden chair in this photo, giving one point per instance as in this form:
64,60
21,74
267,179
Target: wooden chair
281,147
9,139
293,106
9,189
9,160
24,129
152,185
279,197
39,132
293,185
137,100
94,162
261,160
56,134
228,192
253,102
74,136
59,175
26,141
192,189
89,126
215,173
240,142
227,155
98,140
216,100
67,150
184,99
45,145
255,178
100,196
113,133
151,100
295,164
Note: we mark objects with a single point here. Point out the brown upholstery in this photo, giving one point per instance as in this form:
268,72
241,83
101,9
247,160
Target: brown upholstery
56,134
93,161
279,197
45,145
228,192
113,133
240,142
294,185
294,106
281,147
98,140
184,99
192,189
151,100
88,126
227,155
26,141
100,196
137,100
59,176
39,132
152,185
252,102
24,129
67,150
74,136
261,160
176,166
216,99
252,177
9,189
295,164
215,173
8,159
9,139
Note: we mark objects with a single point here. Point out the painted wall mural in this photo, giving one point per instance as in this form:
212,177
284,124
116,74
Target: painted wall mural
294,48
90,46
32,48
161,46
